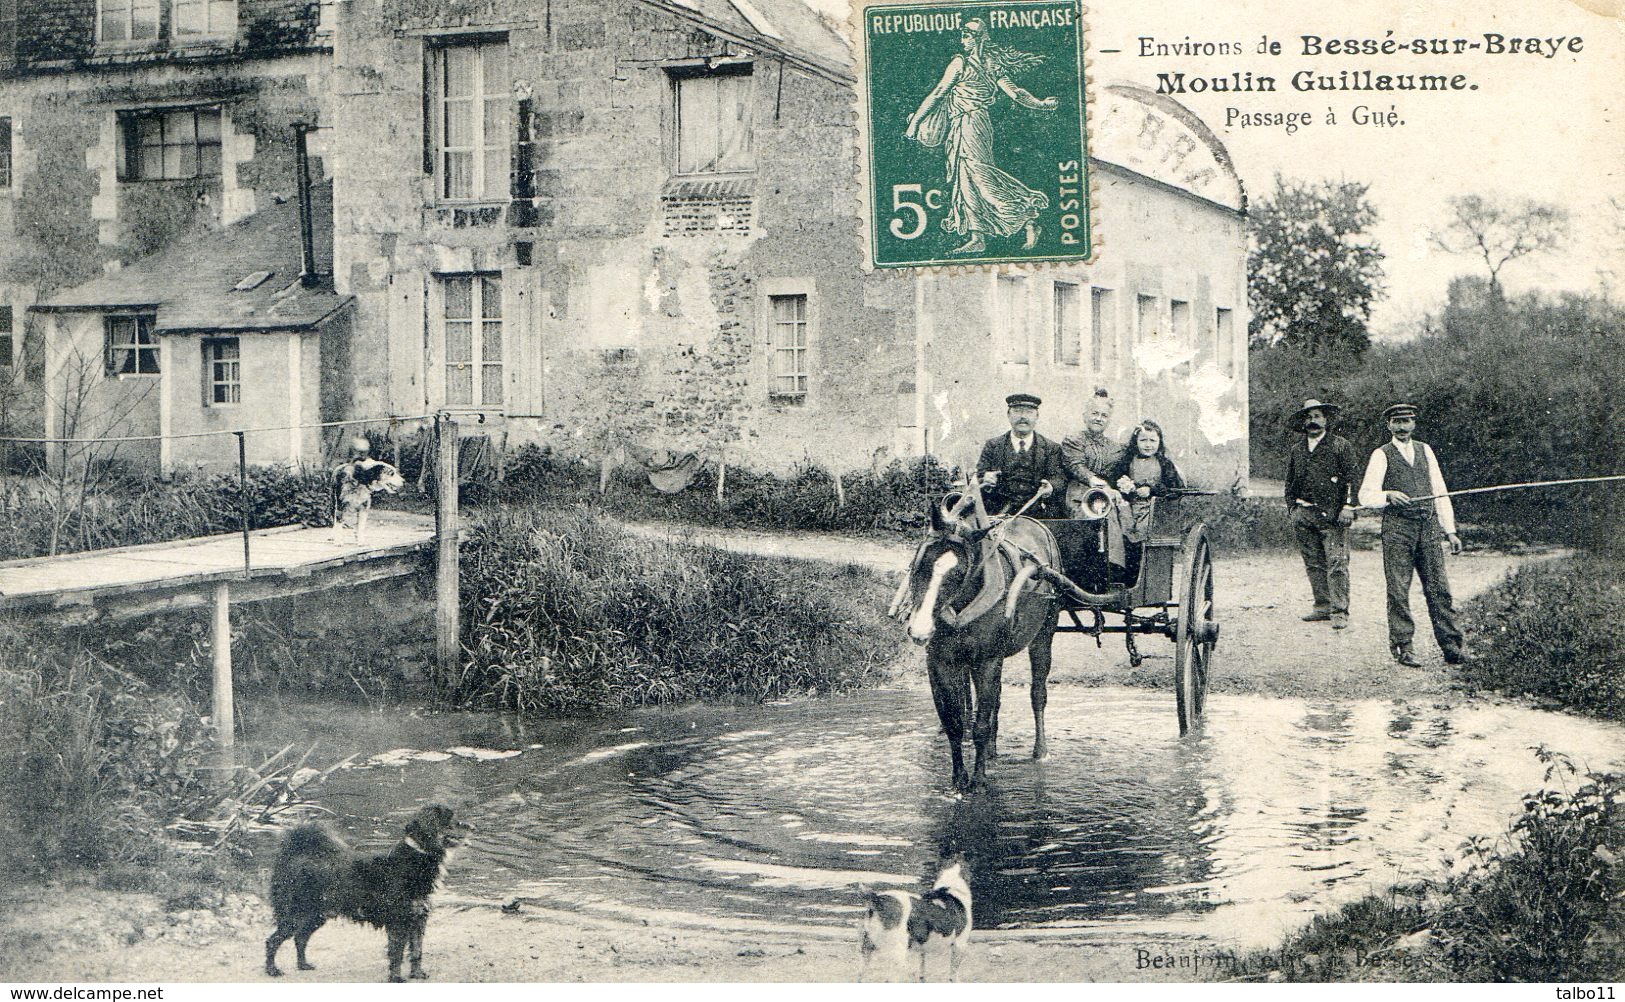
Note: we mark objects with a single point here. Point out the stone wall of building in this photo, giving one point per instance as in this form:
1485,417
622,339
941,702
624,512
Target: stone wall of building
648,293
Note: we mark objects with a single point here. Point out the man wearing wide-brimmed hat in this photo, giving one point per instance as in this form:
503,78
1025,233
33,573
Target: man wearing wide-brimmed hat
1322,476
1017,464
1404,481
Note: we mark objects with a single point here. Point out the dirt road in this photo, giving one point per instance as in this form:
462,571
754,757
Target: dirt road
1265,647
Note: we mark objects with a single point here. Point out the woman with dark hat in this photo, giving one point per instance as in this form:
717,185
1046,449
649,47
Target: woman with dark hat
1322,476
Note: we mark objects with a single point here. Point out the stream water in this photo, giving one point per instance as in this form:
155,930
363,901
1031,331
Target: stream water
1275,809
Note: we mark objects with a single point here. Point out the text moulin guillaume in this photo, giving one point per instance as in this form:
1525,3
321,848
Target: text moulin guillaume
1487,44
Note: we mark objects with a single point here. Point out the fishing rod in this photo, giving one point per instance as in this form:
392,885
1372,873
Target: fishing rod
1517,487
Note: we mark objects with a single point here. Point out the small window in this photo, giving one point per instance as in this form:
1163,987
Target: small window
470,120
223,370
1145,319
1224,331
204,19
8,343
714,121
128,20
1011,317
790,375
5,153
1102,331
132,348
1067,333
472,327
172,144
1179,320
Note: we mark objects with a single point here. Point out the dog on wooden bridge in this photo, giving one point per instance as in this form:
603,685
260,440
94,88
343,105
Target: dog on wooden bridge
317,877
898,923
354,484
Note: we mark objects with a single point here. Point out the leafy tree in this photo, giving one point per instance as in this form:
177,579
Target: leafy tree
1313,269
1501,232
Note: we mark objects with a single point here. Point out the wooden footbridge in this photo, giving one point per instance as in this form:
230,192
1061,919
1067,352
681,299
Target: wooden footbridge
110,585
215,571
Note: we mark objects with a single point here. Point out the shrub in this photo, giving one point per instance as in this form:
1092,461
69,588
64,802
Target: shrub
92,757
1238,524
1510,392
126,512
1542,904
895,498
1553,630
1539,903
569,613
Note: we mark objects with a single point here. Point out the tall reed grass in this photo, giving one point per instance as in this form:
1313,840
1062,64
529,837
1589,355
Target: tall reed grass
92,761
566,612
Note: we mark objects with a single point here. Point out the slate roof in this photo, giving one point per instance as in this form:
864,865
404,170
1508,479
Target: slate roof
193,283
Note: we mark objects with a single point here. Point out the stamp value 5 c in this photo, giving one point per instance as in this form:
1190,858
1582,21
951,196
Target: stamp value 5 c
976,140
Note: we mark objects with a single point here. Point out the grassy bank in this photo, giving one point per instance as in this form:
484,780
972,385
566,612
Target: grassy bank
1553,631
1539,903
568,612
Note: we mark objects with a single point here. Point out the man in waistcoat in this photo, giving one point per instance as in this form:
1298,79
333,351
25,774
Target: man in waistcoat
1322,476
1019,463
1413,533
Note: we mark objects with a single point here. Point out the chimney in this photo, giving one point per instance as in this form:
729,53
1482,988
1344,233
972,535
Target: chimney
307,237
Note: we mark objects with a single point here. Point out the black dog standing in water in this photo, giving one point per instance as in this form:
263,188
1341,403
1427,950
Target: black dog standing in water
317,877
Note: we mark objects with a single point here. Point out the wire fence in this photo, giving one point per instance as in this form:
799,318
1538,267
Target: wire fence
115,439
59,503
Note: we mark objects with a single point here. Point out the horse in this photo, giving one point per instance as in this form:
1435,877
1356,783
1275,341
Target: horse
972,599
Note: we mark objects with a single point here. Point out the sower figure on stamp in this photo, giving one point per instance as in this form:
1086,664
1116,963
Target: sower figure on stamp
1017,464
1413,533
1322,478
982,198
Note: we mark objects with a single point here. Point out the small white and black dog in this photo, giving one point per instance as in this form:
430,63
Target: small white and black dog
354,484
898,923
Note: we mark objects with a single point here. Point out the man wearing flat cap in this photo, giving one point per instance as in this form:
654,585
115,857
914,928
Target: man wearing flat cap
1404,482
1019,463
1322,476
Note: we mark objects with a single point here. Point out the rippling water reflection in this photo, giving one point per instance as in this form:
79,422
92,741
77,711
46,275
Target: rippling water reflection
1275,809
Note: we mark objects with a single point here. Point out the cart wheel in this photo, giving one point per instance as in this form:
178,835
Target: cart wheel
1197,631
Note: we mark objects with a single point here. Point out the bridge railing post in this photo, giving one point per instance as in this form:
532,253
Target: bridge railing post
447,607
225,720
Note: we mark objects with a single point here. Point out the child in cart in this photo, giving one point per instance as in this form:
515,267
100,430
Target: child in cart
1144,472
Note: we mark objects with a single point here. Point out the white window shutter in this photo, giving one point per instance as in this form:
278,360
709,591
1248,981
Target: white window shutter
408,395
524,310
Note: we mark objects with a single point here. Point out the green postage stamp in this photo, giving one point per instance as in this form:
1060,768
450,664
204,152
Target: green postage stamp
976,135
